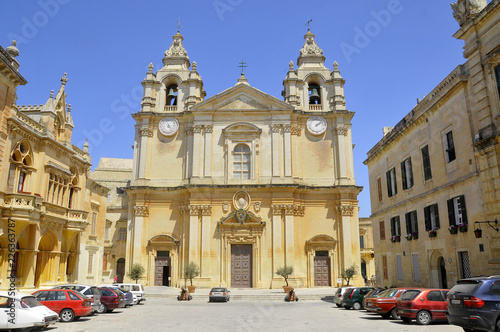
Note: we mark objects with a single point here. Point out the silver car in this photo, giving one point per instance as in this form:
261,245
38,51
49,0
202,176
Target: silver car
90,292
339,294
218,294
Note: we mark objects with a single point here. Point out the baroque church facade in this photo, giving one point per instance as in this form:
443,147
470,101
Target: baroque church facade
248,183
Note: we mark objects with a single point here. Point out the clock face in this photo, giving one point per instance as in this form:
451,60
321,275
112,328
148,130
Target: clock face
316,125
168,126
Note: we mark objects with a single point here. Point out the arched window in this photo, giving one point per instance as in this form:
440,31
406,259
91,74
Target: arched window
21,166
171,95
241,161
314,94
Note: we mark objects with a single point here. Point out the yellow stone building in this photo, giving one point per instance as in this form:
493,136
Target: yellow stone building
52,215
434,177
243,183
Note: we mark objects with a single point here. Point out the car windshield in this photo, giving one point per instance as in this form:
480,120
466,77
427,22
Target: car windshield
30,302
386,293
218,290
77,288
465,287
409,295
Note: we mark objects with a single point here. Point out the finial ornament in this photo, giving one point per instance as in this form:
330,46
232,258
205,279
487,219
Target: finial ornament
64,79
12,49
69,108
86,146
242,65
464,10
176,49
308,24
310,47
335,65
51,94
179,26
290,65
150,67
194,66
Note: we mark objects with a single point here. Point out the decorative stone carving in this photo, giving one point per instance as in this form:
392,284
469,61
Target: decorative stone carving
289,209
287,128
464,10
257,206
291,66
197,128
241,200
209,129
206,210
296,130
346,210
310,46
176,49
141,211
342,130
225,207
146,132
275,128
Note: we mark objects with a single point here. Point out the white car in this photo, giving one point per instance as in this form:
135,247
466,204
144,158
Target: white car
339,294
136,289
19,311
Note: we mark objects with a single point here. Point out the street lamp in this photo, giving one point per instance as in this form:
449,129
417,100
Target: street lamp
478,232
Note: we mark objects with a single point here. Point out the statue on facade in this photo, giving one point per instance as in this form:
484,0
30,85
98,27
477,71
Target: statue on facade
464,10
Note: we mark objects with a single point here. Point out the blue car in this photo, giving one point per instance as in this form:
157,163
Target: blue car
474,304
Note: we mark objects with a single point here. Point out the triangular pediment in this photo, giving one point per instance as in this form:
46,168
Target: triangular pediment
242,97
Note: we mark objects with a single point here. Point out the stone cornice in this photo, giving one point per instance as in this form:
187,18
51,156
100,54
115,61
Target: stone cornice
195,210
288,209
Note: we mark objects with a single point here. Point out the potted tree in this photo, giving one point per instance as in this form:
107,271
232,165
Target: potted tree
191,271
348,273
285,272
136,272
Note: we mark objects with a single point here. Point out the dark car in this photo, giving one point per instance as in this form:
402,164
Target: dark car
353,297
218,294
423,305
474,304
111,299
372,293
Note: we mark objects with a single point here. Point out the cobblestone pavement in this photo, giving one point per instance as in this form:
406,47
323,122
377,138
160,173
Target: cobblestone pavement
167,314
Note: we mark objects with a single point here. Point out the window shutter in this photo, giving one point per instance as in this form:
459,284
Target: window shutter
427,215
414,222
382,229
393,226
389,191
464,210
408,223
398,226
451,212
436,213
497,72
403,175
411,173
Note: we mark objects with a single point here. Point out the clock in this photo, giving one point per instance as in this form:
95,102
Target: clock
316,125
168,126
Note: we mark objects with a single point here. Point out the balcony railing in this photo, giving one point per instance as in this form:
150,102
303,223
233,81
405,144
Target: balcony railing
315,107
169,108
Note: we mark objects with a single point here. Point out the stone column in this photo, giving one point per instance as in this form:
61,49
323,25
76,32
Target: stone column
275,134
206,211
208,151
289,235
189,152
278,259
144,134
287,148
196,150
342,156
346,212
194,255
140,212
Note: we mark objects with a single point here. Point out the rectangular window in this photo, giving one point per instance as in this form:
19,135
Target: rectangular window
94,220
392,188
361,241
431,214
416,268
20,184
464,264
122,235
105,262
457,213
106,234
399,267
497,74
382,229
426,161
450,147
384,267
89,269
379,189
407,173
411,222
395,226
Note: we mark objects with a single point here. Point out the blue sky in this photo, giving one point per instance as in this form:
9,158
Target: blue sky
390,52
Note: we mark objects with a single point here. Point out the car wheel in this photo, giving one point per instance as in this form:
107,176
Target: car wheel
347,307
406,320
423,317
386,315
102,308
110,310
67,315
338,305
394,314
497,329
356,306
77,317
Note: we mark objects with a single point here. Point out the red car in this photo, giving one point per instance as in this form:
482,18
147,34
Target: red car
111,299
385,302
69,304
423,305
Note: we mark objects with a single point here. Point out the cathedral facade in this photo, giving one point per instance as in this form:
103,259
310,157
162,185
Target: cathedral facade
243,183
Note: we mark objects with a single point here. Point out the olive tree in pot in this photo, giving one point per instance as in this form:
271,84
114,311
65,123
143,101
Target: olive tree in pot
136,272
285,272
349,273
191,271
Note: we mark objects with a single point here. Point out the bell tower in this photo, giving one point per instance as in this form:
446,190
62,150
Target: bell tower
312,86
175,87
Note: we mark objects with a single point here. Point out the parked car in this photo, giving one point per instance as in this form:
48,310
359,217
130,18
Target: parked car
136,289
474,304
353,297
69,304
385,303
423,305
89,291
28,312
111,299
218,294
337,299
372,293
129,297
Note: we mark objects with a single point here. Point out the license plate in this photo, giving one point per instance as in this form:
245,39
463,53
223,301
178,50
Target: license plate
217,293
455,301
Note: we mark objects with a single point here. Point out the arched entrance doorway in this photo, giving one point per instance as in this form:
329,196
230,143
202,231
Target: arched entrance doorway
443,281
363,269
45,259
120,269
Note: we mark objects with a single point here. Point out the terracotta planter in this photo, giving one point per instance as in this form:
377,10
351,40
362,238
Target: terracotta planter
287,288
191,289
